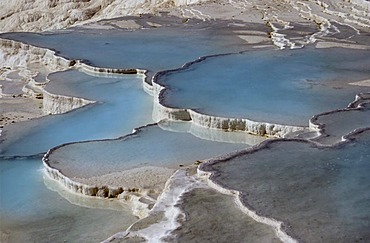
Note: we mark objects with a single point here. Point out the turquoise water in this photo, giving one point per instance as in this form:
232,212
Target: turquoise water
122,105
30,212
35,213
284,87
321,194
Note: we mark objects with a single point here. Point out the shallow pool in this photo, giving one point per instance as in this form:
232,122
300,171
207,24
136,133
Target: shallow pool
122,105
281,87
321,194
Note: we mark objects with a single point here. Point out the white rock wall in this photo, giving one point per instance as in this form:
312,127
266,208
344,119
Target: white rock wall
58,104
238,124
162,112
17,54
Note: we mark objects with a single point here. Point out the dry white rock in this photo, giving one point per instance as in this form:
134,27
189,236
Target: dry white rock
40,15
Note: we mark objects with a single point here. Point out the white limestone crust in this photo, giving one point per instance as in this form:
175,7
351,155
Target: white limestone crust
59,104
40,15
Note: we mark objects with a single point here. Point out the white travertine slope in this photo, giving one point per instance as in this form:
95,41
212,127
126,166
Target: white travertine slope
40,15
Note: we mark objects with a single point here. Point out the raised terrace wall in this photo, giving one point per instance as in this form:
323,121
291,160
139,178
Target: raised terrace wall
93,69
161,112
16,53
242,124
19,54
58,104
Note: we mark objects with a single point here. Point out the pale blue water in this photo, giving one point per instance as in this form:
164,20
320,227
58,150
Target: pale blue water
122,105
286,87
151,49
30,212
34,213
152,146
322,194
